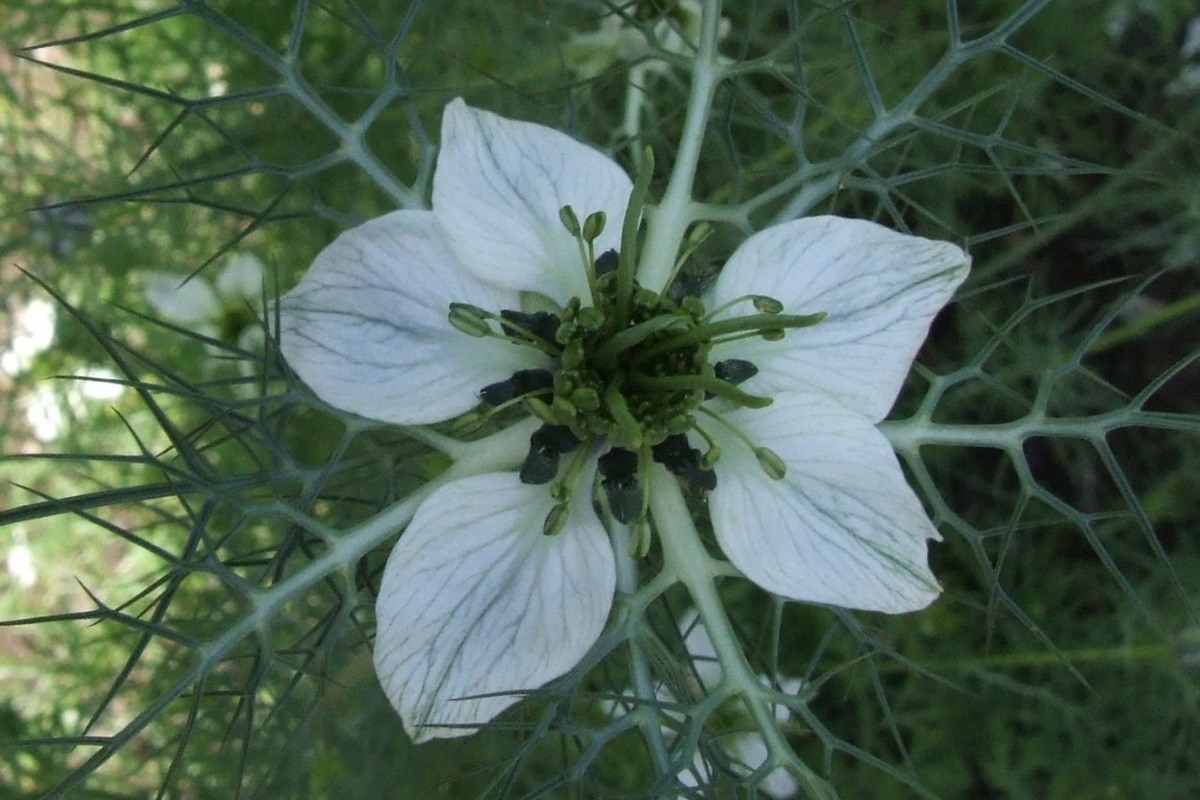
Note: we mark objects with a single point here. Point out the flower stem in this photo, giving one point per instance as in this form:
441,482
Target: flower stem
692,566
643,686
673,215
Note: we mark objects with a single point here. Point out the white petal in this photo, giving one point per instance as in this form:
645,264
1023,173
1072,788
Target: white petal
367,327
180,299
841,528
881,290
475,600
498,188
241,280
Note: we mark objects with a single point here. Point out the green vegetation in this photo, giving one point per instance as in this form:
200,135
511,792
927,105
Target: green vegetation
189,616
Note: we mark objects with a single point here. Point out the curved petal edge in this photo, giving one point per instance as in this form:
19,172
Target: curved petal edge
477,607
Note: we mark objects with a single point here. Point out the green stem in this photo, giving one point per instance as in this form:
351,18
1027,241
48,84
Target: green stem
643,685
692,566
509,444
673,215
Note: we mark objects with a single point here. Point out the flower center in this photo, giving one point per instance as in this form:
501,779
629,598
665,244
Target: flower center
628,370
633,382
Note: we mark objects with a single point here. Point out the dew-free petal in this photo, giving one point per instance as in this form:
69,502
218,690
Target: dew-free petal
367,327
842,527
497,191
477,606
881,290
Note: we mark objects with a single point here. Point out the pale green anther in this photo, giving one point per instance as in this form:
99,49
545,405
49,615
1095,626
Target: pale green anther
556,520
565,382
569,220
586,399
566,332
644,298
593,226
572,354
771,463
772,334
713,456
639,546
767,305
590,318
562,409
470,319
693,307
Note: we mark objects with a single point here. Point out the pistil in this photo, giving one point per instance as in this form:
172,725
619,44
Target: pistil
627,374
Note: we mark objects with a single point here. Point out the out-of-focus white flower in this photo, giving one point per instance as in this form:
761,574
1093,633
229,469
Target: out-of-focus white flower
619,39
20,563
747,748
206,306
55,404
94,383
1186,82
227,308
44,413
1191,40
33,333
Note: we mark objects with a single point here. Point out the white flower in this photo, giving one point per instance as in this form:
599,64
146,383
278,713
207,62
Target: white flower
54,405
22,567
32,333
211,308
44,413
477,603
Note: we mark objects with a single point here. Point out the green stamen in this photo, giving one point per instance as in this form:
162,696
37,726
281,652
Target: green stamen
768,459
705,383
607,352
759,324
627,267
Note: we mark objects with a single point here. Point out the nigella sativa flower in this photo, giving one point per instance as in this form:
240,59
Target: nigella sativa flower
516,299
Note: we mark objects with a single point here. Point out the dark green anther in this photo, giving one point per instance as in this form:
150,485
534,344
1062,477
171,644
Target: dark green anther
545,446
618,469
606,263
540,325
734,370
683,460
522,382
